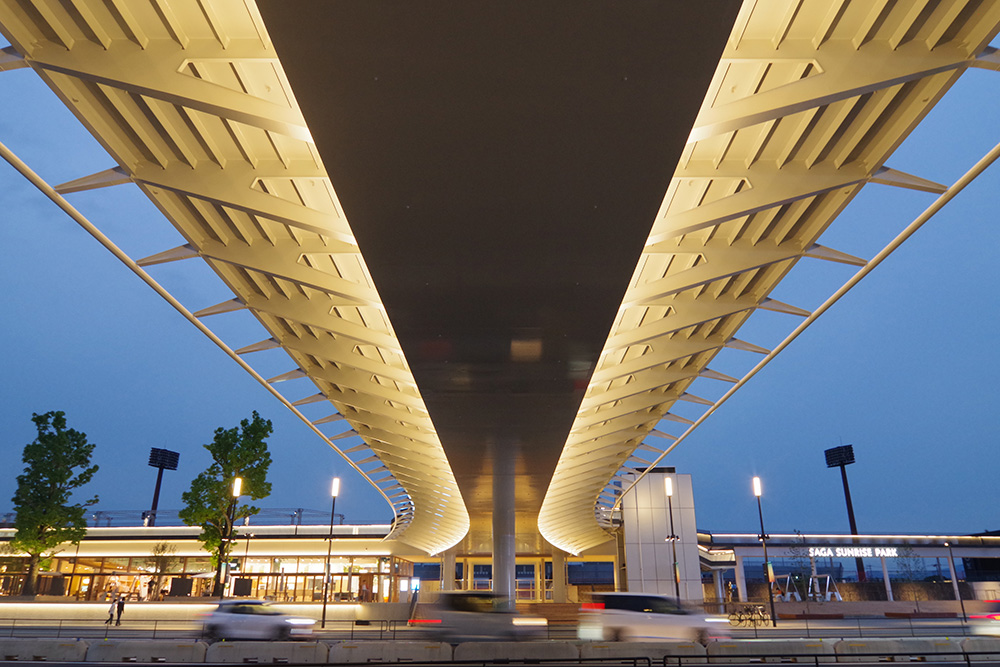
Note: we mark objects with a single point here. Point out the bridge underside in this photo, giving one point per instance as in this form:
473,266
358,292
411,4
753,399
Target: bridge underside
499,235
501,165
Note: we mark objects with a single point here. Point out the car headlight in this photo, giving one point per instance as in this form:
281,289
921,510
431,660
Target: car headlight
716,619
300,621
529,621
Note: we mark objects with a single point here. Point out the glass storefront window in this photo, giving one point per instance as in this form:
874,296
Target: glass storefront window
310,565
283,579
198,565
115,565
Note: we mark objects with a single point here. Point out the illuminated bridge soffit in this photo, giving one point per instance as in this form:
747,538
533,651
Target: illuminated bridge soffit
192,105
808,102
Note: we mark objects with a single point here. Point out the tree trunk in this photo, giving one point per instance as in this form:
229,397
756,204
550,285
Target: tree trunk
31,576
217,585
222,556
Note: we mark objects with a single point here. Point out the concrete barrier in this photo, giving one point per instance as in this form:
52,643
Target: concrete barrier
516,651
51,650
146,650
655,651
897,650
771,650
268,652
989,647
391,651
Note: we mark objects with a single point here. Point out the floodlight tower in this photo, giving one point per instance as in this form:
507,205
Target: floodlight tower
164,459
841,457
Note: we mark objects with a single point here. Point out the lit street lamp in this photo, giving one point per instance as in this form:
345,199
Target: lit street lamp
672,537
334,491
768,572
237,488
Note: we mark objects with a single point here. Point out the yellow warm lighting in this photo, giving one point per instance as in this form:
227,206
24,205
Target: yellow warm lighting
237,486
668,482
528,620
756,486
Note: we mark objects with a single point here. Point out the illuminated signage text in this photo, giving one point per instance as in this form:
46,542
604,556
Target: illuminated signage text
853,552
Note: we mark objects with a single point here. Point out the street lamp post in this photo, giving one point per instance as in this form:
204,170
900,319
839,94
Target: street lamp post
672,537
334,491
246,553
224,556
763,541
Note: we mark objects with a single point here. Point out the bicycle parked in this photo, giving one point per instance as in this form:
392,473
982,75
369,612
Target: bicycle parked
750,616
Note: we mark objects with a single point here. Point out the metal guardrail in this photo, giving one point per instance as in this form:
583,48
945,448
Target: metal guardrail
854,628
828,658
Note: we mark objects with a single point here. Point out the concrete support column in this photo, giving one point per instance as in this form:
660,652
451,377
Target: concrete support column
503,522
558,575
448,570
540,580
885,578
954,577
621,574
741,579
720,594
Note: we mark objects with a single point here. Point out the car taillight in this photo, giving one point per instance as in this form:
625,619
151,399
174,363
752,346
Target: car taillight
420,621
594,606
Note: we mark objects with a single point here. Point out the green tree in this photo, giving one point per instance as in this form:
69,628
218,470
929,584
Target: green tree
236,452
55,463
163,558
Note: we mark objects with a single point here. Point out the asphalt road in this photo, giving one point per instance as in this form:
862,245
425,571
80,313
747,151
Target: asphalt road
137,628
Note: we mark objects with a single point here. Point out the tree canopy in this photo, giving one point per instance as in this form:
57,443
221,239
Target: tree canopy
209,503
55,463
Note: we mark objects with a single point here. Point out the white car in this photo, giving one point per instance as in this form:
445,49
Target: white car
253,619
640,617
476,615
989,623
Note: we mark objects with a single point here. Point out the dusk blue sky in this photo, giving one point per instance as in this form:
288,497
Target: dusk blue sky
903,368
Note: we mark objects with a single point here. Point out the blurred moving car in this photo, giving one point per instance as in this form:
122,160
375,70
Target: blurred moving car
640,617
253,619
477,615
988,623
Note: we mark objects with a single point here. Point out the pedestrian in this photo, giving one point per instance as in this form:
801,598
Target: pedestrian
121,608
111,611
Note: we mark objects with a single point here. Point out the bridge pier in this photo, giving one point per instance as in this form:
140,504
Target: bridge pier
503,522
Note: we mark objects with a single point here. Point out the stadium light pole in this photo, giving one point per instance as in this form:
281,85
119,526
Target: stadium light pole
841,457
162,459
334,492
672,537
763,540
